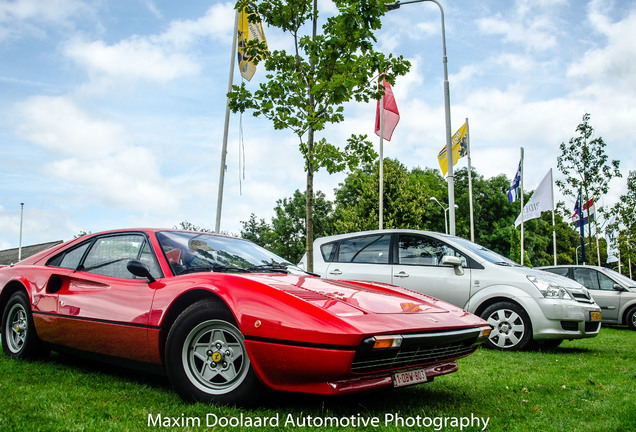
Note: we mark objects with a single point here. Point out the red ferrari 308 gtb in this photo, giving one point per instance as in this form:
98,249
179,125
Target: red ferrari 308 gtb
225,318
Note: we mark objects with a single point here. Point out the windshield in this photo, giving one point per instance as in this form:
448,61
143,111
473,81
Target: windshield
191,252
484,253
621,278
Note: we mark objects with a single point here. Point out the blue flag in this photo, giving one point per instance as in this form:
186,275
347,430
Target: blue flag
513,192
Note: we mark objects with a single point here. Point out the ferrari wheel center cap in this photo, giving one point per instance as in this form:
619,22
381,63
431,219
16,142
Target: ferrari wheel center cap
217,357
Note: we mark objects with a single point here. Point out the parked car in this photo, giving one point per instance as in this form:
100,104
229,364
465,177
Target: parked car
613,292
521,304
225,318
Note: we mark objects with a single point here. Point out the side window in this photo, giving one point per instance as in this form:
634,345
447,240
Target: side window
110,255
586,277
420,250
368,249
327,250
148,258
69,259
605,283
561,271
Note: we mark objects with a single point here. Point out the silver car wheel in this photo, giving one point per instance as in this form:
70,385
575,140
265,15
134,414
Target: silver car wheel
214,357
507,328
16,328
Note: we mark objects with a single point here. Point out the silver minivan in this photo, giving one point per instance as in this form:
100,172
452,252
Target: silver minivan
613,292
521,304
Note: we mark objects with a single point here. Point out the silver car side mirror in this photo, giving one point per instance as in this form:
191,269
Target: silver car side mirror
455,262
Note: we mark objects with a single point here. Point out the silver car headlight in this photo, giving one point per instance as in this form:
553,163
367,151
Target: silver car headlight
549,289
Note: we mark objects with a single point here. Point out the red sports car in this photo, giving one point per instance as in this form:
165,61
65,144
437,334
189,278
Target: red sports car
225,318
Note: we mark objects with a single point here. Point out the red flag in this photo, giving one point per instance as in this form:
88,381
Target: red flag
391,113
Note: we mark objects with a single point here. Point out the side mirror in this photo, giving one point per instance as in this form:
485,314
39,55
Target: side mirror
140,269
618,288
455,262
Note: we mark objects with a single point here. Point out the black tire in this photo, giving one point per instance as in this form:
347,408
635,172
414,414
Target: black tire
512,329
206,359
19,338
630,318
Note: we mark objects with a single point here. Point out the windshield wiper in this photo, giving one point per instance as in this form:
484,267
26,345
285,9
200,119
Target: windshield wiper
503,263
275,268
217,268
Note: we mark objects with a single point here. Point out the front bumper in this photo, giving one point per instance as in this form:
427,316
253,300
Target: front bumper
298,367
565,319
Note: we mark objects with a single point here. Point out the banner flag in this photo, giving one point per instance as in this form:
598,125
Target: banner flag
612,244
583,214
391,114
513,192
459,143
540,201
247,31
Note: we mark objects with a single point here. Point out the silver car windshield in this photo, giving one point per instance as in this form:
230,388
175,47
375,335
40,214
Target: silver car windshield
191,252
621,278
484,253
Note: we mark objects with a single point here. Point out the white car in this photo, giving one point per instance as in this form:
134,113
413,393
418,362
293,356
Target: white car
613,292
521,304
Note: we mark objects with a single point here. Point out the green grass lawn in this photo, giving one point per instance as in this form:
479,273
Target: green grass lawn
586,385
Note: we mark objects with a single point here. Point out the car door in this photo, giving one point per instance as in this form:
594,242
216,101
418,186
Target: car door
103,308
602,290
361,258
418,266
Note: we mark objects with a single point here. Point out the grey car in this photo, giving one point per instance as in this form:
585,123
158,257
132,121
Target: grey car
613,292
521,304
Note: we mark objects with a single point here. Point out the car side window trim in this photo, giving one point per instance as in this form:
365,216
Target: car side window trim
91,243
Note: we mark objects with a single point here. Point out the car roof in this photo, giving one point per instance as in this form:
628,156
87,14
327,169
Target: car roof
328,239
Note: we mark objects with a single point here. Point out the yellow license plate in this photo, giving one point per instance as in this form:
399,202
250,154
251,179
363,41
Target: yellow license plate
595,316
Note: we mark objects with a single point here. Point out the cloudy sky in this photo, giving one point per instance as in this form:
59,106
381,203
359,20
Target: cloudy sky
112,110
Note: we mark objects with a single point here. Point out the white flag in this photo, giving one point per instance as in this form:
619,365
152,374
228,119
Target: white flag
612,248
540,201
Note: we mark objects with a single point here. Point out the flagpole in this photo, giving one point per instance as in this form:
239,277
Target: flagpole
554,246
521,193
21,219
381,179
470,186
581,224
219,201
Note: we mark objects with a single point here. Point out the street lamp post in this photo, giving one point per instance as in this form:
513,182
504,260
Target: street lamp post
450,178
445,212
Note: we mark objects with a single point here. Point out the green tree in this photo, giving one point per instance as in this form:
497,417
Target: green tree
585,166
406,198
286,234
625,210
306,89
189,226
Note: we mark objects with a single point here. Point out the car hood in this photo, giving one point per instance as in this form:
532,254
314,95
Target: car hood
368,297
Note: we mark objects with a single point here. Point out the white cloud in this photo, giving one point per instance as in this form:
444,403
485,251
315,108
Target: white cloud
93,155
132,59
57,124
613,63
531,24
30,16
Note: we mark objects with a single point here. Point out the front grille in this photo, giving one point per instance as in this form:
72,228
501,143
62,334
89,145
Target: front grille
582,297
591,327
416,350
570,325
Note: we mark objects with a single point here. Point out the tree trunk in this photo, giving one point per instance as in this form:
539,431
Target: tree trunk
309,221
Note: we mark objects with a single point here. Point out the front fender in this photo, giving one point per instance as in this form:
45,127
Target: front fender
484,297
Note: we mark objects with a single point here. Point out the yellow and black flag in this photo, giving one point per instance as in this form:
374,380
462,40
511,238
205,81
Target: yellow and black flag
459,142
247,31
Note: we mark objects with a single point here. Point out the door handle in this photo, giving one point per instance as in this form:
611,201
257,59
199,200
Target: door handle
401,275
335,272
